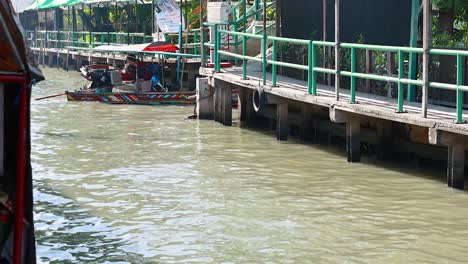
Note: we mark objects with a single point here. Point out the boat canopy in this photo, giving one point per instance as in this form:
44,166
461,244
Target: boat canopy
15,58
48,4
137,48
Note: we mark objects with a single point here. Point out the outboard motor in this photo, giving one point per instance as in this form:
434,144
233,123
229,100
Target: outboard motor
99,78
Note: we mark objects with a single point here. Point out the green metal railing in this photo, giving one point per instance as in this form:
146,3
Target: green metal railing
312,68
60,39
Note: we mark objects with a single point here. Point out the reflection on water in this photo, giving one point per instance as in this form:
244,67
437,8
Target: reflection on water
139,184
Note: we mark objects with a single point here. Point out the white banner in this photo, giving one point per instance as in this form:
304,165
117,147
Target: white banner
168,18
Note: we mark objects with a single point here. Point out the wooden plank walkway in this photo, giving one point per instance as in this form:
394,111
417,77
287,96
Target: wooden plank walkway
439,117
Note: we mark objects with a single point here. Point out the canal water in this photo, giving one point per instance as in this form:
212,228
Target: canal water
141,184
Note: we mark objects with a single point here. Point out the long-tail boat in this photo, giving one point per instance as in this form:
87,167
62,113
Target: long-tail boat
17,73
138,83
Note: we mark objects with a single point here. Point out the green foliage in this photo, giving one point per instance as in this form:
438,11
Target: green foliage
447,5
459,37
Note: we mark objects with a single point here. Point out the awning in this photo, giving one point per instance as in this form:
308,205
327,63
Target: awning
58,3
136,48
47,4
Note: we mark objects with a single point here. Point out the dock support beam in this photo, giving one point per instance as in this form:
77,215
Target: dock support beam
223,103
308,123
247,111
353,140
282,122
456,156
205,103
456,167
353,133
217,104
227,105
384,139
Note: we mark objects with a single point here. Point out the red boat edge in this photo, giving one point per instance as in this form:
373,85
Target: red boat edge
168,98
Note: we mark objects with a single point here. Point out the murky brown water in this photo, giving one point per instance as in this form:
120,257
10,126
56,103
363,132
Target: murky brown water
140,184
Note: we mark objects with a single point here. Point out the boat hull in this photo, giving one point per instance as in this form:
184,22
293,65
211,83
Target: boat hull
170,98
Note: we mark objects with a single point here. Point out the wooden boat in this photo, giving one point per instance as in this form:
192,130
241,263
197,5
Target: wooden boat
17,73
157,98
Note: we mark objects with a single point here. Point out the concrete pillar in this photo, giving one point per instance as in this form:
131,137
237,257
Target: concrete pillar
384,140
79,62
242,104
227,105
456,155
282,122
205,100
217,104
308,124
353,132
50,60
456,166
353,140
250,113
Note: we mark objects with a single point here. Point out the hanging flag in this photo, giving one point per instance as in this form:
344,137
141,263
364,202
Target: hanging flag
169,16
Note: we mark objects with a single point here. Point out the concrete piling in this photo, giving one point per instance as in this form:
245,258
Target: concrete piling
205,100
282,122
456,155
353,140
227,105
384,139
456,166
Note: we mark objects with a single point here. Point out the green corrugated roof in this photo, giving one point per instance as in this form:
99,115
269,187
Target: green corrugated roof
57,3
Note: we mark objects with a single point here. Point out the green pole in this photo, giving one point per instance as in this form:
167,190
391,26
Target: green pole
401,74
236,43
202,45
312,65
257,7
264,44
244,61
274,67
195,40
413,59
459,90
216,49
353,79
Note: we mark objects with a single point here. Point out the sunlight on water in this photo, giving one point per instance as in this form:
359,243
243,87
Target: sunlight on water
140,184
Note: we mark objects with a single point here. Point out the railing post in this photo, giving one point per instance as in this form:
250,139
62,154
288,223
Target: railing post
90,39
460,94
353,79
217,61
413,63
401,75
264,58
257,7
58,39
274,66
236,44
311,81
337,50
426,46
202,45
244,61
195,41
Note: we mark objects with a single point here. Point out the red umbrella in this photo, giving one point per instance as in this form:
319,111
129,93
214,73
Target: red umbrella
161,46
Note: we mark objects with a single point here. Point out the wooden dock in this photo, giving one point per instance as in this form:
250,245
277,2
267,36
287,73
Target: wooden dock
439,127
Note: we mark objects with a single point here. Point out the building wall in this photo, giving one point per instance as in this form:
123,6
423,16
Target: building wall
378,21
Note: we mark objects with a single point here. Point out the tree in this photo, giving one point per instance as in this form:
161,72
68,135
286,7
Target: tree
451,13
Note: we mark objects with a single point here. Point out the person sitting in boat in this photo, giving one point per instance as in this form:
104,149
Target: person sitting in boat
129,70
156,84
